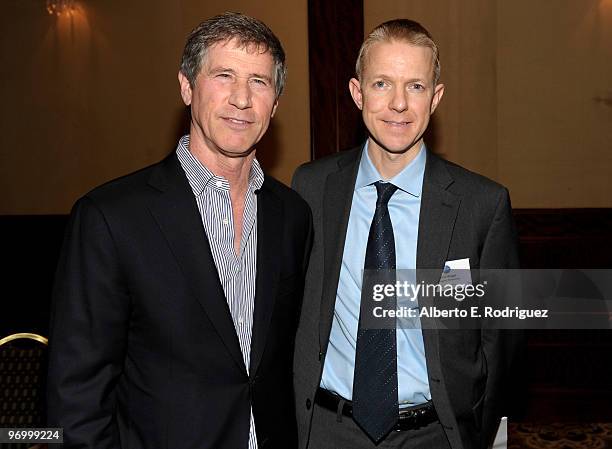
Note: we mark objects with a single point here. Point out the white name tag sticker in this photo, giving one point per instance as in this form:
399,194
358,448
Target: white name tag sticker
456,272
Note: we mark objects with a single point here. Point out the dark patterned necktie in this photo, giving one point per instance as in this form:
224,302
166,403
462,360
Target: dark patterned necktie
375,404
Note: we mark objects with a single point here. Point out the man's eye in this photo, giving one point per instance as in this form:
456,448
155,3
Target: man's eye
259,81
418,86
379,84
223,75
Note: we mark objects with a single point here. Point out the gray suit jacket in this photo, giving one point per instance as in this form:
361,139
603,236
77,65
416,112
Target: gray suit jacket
462,215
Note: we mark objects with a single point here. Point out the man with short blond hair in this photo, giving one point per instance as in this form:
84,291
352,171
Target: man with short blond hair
387,205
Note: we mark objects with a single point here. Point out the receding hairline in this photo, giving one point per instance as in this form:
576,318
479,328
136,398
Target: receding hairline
394,40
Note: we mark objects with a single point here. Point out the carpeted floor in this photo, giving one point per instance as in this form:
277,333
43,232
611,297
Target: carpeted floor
560,436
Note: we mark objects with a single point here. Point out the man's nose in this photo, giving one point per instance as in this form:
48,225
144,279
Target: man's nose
241,94
399,99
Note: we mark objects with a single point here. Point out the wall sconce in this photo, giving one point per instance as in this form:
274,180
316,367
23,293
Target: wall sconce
60,7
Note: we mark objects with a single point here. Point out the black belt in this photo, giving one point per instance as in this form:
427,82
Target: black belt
409,418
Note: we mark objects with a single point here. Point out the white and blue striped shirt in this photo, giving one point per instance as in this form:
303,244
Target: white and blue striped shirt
236,272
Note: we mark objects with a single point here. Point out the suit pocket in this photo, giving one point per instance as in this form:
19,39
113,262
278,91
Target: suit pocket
477,412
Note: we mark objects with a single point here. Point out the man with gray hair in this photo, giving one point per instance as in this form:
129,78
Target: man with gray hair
179,286
392,204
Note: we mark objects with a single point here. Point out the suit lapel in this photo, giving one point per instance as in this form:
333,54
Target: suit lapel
439,209
269,234
338,196
177,215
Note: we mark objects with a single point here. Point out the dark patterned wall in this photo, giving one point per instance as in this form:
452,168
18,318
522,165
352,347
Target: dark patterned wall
569,372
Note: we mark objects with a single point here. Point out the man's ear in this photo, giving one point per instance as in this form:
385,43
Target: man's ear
355,88
185,88
274,108
437,96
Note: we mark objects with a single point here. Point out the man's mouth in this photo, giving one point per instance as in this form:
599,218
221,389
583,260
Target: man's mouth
237,121
396,123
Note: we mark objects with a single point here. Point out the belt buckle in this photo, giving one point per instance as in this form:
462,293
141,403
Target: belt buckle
410,419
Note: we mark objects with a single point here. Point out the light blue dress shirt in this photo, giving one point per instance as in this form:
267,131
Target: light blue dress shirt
404,208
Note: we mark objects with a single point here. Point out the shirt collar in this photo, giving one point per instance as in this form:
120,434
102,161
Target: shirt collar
410,179
200,177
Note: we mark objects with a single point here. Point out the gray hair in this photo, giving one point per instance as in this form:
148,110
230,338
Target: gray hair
225,27
402,30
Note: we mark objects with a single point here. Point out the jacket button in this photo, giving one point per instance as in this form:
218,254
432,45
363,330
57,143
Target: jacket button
308,404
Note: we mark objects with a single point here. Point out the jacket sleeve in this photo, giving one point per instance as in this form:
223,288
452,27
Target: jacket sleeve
296,180
500,346
88,333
